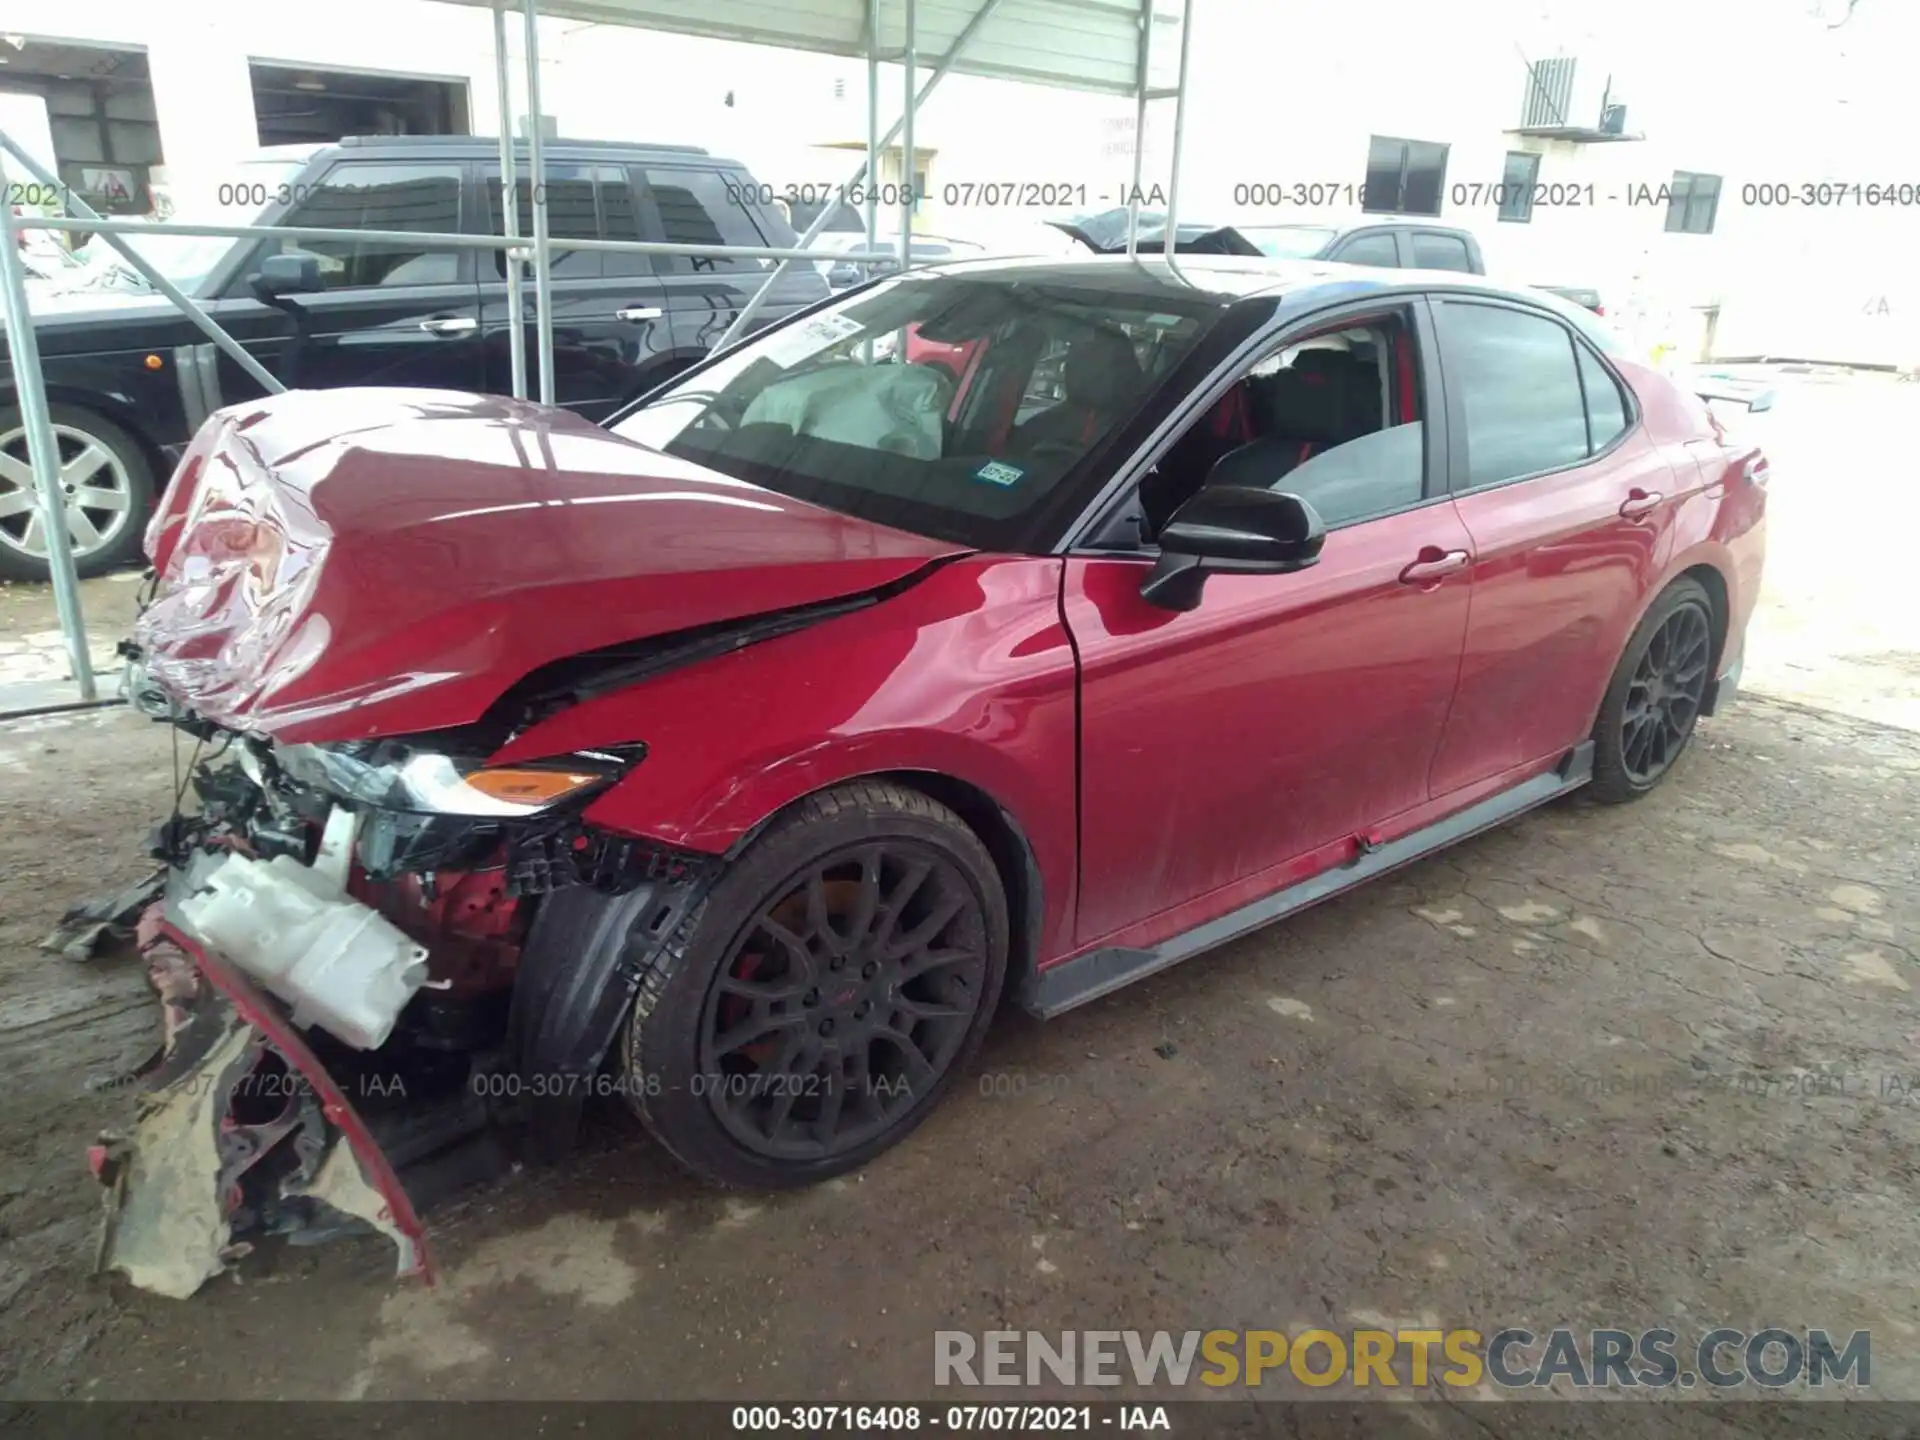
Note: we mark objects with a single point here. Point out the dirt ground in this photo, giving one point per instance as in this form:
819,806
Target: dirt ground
1555,1076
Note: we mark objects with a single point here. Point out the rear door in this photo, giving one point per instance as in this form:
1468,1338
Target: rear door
1439,250
610,331
1570,502
392,312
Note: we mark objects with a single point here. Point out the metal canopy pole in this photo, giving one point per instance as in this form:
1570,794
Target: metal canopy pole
1141,58
873,123
537,166
153,277
907,171
1179,127
510,209
940,71
42,449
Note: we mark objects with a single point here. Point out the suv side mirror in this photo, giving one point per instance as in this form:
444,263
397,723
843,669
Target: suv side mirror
1231,530
285,275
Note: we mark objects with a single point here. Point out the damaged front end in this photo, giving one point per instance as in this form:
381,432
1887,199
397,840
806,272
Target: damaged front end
382,964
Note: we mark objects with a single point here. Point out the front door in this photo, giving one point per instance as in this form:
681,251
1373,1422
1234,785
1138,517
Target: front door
392,312
1285,713
1569,502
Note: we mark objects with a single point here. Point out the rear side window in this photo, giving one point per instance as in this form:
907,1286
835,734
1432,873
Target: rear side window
702,207
1519,388
1606,406
571,215
1433,251
362,196
584,202
1375,249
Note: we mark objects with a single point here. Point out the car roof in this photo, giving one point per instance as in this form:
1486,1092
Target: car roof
1233,278
486,146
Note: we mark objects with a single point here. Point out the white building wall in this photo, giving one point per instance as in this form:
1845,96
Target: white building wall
1752,90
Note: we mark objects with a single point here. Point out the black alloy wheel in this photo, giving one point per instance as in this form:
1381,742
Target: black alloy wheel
1663,699
844,1001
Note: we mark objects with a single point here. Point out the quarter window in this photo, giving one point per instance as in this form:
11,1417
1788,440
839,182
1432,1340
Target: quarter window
1606,407
360,196
1519,387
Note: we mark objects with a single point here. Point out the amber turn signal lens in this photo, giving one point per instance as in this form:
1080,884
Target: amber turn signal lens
154,362
529,787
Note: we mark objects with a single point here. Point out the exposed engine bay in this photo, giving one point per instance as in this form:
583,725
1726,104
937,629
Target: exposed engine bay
384,967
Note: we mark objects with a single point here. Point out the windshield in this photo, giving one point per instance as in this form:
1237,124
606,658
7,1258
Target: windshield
187,260
950,405
1288,242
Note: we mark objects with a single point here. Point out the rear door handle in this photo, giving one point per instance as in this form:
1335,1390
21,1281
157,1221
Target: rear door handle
639,312
1434,564
450,325
1640,503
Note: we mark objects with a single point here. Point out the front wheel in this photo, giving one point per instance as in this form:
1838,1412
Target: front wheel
104,478
825,995
1653,701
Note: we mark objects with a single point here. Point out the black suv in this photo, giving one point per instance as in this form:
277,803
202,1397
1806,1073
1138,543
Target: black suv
129,378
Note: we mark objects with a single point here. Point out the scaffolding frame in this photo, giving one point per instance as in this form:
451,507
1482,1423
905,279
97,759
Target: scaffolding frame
536,251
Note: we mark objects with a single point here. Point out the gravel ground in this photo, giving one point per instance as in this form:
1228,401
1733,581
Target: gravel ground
1559,1075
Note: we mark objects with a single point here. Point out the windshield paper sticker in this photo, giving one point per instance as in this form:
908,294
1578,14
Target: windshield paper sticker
809,337
998,472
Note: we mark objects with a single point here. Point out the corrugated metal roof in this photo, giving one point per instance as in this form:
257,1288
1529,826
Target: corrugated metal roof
1074,44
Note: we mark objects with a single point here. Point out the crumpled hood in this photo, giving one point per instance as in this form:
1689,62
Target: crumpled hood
341,564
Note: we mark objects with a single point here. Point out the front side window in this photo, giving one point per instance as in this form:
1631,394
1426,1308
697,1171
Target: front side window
950,406
363,196
1334,417
1375,249
1519,388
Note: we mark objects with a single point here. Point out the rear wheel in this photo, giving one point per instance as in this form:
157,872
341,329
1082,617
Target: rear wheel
1648,716
826,994
105,480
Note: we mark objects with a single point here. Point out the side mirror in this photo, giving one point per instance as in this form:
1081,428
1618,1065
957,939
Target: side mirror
285,275
1231,530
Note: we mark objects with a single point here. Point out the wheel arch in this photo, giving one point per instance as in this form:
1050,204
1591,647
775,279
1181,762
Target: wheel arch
124,416
992,824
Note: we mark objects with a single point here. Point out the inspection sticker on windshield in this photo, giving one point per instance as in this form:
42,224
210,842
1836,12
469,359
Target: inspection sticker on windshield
998,472
809,337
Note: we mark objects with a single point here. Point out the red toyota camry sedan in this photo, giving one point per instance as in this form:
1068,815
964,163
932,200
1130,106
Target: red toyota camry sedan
733,760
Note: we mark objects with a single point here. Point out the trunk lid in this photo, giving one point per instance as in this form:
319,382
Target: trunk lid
343,564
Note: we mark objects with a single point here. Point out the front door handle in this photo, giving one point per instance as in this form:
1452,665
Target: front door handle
638,313
1434,564
1640,503
450,325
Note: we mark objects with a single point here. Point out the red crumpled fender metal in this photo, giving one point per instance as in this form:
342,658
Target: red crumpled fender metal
968,673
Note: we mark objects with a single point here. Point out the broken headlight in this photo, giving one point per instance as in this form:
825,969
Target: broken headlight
393,776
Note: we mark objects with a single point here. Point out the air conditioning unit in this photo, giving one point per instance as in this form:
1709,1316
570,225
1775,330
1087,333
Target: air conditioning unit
1563,93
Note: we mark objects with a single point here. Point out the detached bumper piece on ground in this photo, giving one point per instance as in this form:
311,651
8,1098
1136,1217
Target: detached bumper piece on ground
337,1046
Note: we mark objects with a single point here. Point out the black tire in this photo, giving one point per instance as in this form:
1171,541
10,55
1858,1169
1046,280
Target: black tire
692,1087
127,475
1643,729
